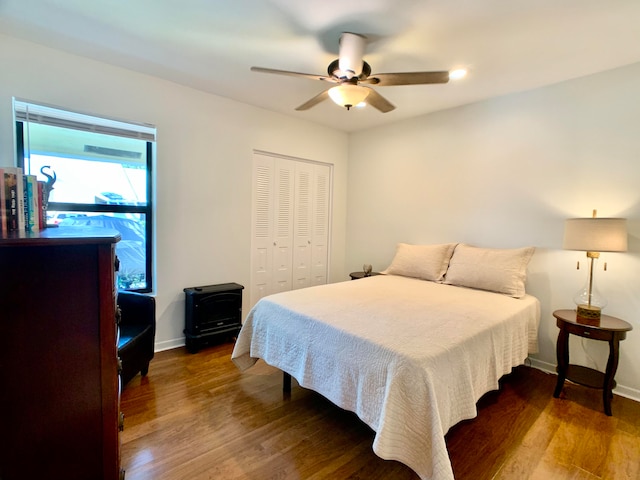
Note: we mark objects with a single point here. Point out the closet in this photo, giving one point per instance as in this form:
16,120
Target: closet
290,224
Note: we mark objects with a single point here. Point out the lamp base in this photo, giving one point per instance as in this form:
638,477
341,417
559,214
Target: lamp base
588,314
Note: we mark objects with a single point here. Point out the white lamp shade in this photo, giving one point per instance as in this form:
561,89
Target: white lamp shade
348,95
595,234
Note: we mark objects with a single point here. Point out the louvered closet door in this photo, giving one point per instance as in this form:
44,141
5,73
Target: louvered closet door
303,225
320,224
283,225
262,227
290,218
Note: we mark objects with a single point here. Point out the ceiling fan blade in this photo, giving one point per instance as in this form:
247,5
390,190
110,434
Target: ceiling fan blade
314,101
378,101
310,76
407,78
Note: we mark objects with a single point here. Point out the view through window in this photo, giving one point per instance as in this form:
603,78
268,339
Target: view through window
103,178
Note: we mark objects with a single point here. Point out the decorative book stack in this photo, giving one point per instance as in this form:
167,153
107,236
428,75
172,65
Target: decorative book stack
22,202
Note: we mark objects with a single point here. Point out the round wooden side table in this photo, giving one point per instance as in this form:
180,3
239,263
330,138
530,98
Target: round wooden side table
608,329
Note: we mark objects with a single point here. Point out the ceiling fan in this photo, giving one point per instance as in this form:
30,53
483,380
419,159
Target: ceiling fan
351,73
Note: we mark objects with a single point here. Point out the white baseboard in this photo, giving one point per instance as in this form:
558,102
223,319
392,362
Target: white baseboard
540,365
627,392
169,344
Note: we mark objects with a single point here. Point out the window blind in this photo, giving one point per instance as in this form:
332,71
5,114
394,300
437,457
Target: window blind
25,111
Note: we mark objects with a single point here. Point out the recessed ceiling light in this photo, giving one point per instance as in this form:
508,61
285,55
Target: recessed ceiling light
457,74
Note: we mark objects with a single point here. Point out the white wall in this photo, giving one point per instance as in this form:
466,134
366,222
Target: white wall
501,173
204,145
506,173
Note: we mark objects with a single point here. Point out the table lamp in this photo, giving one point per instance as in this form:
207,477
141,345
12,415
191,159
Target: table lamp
594,235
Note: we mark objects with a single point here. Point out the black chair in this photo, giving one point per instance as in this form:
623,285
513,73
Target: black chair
137,333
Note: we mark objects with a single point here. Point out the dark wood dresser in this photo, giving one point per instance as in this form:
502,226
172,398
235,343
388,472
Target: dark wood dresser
59,381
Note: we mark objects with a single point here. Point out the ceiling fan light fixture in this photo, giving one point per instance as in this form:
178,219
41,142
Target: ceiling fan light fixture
348,95
349,71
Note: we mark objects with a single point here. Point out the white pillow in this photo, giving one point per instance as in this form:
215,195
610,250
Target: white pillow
496,270
428,262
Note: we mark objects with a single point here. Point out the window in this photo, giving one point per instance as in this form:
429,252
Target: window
103,178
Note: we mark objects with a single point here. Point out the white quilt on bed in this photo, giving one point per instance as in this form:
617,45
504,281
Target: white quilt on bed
410,357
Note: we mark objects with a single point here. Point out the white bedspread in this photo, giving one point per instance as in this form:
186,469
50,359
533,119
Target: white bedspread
411,358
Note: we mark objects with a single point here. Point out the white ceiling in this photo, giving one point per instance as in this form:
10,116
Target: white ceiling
508,45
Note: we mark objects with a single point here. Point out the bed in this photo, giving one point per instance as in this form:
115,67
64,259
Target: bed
409,355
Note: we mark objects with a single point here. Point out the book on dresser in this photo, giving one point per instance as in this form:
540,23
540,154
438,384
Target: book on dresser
3,206
31,203
60,395
14,202
21,201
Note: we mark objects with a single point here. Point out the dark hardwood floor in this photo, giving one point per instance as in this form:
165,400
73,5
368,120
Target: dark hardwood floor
197,417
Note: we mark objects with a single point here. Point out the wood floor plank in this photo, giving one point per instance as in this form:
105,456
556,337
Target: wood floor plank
525,457
623,462
197,417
